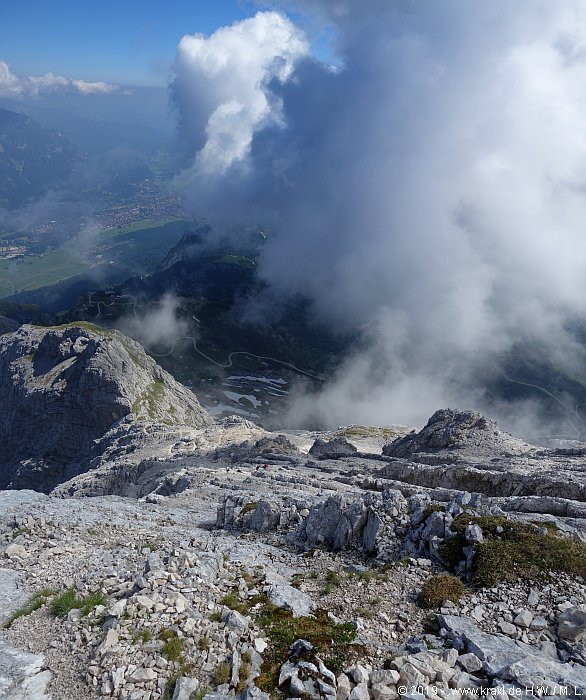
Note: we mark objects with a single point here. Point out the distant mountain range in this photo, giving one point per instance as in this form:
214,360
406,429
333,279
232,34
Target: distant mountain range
32,159
137,118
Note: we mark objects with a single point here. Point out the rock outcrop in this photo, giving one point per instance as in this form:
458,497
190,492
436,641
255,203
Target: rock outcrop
331,449
458,436
63,388
336,525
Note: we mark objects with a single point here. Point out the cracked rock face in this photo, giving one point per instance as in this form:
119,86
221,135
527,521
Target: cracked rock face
69,385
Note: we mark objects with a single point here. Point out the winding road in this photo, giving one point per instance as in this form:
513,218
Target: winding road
226,365
570,410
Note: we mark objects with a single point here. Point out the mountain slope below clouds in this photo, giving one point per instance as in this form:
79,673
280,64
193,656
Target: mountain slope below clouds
63,388
32,159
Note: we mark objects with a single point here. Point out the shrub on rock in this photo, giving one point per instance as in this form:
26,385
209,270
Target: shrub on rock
439,588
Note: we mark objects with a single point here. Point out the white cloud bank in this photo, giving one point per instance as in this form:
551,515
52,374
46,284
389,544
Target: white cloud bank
13,85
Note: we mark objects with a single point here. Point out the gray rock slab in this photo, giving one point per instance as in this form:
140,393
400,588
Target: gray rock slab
285,596
496,652
22,676
185,687
514,661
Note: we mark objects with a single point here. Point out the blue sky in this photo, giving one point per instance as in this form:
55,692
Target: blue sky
121,41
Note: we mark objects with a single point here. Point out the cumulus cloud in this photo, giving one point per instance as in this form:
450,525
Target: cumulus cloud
430,192
13,85
222,88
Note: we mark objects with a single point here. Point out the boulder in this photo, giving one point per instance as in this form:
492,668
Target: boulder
285,596
332,449
572,625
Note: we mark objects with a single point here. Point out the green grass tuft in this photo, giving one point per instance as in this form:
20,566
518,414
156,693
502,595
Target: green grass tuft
142,636
222,673
173,649
170,687
92,601
64,603
233,600
20,531
201,693
36,601
248,507
69,600
243,673
434,508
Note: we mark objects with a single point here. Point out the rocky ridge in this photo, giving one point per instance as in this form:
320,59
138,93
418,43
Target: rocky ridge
74,384
220,561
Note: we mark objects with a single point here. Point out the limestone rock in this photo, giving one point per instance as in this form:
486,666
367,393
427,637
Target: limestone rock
524,618
515,661
142,675
263,518
15,551
185,688
332,449
359,692
73,383
496,653
572,624
470,663
344,687
384,692
335,524
460,433
285,596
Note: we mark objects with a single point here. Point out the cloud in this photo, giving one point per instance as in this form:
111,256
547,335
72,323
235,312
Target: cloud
157,327
429,193
222,88
13,85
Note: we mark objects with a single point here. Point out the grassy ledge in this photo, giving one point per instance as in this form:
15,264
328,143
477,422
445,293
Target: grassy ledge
514,550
